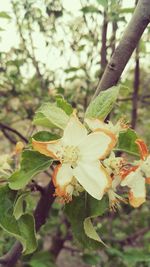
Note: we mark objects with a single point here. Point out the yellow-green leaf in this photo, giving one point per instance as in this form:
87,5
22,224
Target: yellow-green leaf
51,116
91,232
101,106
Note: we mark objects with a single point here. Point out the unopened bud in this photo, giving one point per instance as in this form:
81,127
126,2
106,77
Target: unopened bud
19,147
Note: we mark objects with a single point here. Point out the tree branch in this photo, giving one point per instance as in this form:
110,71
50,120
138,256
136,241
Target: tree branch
4,127
9,137
136,86
128,43
103,51
113,37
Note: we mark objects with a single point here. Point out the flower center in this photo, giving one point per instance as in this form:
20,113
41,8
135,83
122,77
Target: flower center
71,155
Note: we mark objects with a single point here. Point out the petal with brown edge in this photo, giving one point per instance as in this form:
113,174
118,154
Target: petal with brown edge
97,145
136,201
93,177
51,149
61,178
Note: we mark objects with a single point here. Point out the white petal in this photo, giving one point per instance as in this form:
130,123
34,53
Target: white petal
95,124
138,188
74,133
93,178
51,148
97,145
129,179
136,182
145,167
62,175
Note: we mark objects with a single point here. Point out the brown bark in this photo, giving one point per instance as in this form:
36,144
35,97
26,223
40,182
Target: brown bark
113,37
128,43
135,89
103,52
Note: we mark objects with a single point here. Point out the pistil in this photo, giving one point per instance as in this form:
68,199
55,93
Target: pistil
71,155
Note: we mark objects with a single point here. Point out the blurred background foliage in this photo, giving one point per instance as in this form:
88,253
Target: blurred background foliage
64,50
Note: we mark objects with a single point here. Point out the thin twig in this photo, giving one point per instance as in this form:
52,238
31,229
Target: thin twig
6,127
8,136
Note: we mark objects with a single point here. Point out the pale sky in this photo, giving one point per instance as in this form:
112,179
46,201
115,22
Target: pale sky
9,37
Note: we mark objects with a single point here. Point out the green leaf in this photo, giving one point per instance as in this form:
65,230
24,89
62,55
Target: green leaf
104,3
27,229
45,136
90,231
90,9
40,119
126,143
4,15
135,256
63,104
42,259
72,69
95,209
143,47
19,205
24,203
60,90
91,259
32,163
127,10
130,256
101,106
81,48
78,211
51,116
22,229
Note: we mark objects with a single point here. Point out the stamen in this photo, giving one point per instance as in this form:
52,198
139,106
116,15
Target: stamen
71,155
114,200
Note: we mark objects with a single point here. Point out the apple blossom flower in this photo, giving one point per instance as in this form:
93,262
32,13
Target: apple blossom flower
79,154
136,177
